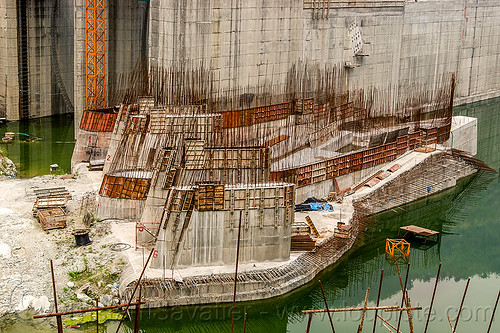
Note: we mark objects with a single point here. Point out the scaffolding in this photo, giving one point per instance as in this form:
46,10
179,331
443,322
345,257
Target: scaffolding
95,48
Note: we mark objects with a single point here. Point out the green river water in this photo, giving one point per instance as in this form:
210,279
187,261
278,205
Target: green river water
34,158
467,217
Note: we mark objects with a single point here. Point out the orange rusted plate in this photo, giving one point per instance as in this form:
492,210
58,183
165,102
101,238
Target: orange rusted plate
394,168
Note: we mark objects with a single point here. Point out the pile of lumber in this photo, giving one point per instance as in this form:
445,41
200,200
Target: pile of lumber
302,243
343,230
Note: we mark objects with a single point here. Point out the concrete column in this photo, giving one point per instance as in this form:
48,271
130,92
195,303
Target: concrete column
9,80
79,60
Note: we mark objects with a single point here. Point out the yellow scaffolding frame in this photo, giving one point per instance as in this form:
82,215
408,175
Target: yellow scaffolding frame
397,247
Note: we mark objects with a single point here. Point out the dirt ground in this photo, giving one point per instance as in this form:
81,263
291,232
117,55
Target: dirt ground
81,273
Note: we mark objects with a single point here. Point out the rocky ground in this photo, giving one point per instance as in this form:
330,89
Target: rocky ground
81,273
7,167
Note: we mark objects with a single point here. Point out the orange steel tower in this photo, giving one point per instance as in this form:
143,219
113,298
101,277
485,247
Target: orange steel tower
95,54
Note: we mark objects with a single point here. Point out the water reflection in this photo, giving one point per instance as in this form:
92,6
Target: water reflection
34,158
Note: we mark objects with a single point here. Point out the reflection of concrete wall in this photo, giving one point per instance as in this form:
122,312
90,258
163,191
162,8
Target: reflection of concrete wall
463,134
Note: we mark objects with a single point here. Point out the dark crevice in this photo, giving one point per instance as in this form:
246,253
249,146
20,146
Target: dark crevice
22,45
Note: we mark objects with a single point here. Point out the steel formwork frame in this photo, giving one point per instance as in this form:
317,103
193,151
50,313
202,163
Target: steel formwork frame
95,48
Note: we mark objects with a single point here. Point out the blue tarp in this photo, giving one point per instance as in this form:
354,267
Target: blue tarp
314,206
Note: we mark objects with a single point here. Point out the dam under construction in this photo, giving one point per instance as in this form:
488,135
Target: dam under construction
230,153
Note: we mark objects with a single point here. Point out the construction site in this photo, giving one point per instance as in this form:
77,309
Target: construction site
238,153
198,171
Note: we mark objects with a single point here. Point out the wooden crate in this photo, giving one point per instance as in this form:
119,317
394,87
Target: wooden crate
52,218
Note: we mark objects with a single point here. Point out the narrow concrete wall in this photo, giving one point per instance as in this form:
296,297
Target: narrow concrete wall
9,81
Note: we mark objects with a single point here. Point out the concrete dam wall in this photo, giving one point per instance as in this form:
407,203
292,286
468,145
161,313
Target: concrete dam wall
396,45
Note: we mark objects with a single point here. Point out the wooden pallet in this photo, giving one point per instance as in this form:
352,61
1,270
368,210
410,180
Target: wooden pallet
52,192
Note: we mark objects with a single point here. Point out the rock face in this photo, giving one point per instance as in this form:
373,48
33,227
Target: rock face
7,167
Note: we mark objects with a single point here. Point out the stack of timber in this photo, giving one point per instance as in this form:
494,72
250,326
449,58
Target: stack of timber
302,243
300,228
96,165
343,230
52,192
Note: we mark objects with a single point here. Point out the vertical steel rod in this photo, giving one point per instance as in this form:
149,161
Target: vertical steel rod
236,273
309,322
138,311
360,327
403,298
493,314
58,318
378,299
97,314
245,323
461,304
326,304
432,299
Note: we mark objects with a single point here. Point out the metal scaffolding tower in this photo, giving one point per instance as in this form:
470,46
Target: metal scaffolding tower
95,54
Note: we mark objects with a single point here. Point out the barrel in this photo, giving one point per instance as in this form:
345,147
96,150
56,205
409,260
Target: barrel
82,237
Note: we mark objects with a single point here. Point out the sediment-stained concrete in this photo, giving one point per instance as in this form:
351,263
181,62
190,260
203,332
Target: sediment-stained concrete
395,45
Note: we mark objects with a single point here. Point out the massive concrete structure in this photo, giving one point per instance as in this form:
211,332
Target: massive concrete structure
397,43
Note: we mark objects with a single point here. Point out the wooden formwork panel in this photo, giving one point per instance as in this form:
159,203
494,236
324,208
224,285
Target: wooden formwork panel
178,124
124,187
98,120
131,109
209,197
320,111
259,197
304,106
342,112
236,158
256,115
194,154
138,124
272,112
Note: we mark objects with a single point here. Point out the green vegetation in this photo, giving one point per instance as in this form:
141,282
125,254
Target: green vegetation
104,316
